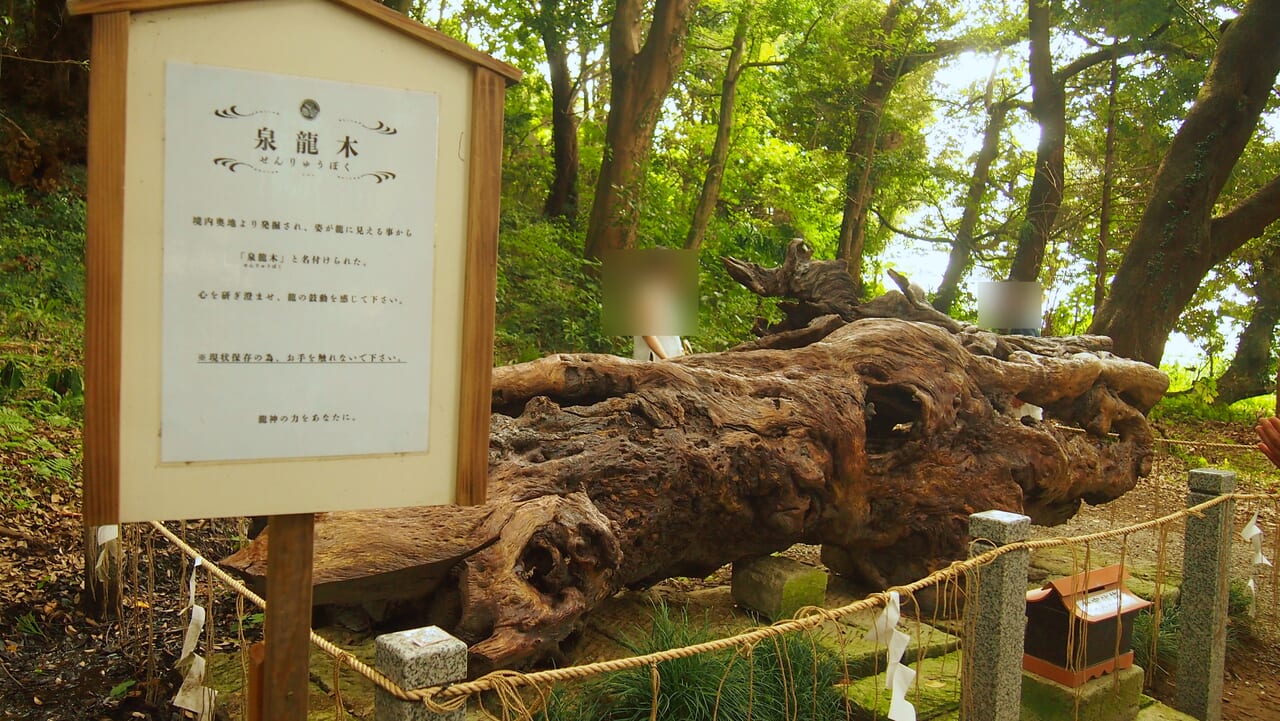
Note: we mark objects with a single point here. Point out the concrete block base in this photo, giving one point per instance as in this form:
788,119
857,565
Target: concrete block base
776,587
1113,697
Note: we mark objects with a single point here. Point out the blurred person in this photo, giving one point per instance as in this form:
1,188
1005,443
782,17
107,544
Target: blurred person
1269,433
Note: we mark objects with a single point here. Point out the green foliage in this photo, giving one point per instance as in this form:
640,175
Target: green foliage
1240,607
28,625
250,621
120,689
41,256
1166,642
41,300
788,677
548,299
1190,399
41,316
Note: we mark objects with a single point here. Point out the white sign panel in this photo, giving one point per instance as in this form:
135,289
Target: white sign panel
298,244
1106,604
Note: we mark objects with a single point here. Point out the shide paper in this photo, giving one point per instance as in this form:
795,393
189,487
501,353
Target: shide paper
898,677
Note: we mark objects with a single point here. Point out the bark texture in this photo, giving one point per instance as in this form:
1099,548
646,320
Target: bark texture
873,429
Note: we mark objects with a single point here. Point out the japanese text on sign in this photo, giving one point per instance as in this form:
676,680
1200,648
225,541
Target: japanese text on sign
298,245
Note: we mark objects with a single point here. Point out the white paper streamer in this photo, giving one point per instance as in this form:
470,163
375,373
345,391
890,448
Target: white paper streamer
1253,534
191,582
194,696
882,630
897,647
900,709
194,629
108,541
1251,530
898,677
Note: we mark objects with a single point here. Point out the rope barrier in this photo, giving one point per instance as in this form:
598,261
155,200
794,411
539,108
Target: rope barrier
507,684
1172,441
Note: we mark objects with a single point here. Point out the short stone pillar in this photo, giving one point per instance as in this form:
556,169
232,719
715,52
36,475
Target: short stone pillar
995,620
1202,634
417,658
777,586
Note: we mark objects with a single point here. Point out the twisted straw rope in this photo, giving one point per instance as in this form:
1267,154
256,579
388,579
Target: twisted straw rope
1171,441
506,684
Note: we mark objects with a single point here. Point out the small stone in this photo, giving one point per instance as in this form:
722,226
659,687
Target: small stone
777,587
418,658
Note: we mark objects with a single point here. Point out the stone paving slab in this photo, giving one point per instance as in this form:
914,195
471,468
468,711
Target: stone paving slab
1111,697
1152,710
935,694
848,638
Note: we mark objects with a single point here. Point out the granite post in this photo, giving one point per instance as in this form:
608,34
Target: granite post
1202,634
417,658
995,620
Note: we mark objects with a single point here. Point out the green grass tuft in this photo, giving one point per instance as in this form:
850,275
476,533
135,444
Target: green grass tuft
788,677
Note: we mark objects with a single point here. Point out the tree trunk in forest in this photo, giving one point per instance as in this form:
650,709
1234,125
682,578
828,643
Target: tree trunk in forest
962,249
860,155
562,198
1049,108
1250,373
1108,183
1178,240
887,68
641,78
720,150
874,429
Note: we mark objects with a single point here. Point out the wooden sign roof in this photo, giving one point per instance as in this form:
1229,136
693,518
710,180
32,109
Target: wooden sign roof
367,8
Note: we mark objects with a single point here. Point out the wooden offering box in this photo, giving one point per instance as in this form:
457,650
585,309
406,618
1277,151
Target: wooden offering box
1081,626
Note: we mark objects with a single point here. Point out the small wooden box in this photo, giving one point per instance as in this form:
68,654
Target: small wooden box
1081,626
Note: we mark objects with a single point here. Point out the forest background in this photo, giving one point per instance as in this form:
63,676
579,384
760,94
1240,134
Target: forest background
1122,154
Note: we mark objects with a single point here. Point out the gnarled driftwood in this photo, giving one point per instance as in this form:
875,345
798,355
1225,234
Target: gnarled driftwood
873,429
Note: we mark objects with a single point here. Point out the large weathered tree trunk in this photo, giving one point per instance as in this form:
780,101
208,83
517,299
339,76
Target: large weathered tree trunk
874,429
1178,240
642,77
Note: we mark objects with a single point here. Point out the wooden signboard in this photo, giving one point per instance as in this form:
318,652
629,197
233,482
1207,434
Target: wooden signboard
291,256
291,259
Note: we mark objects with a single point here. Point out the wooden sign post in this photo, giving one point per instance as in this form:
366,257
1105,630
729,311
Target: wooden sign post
291,254
286,672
